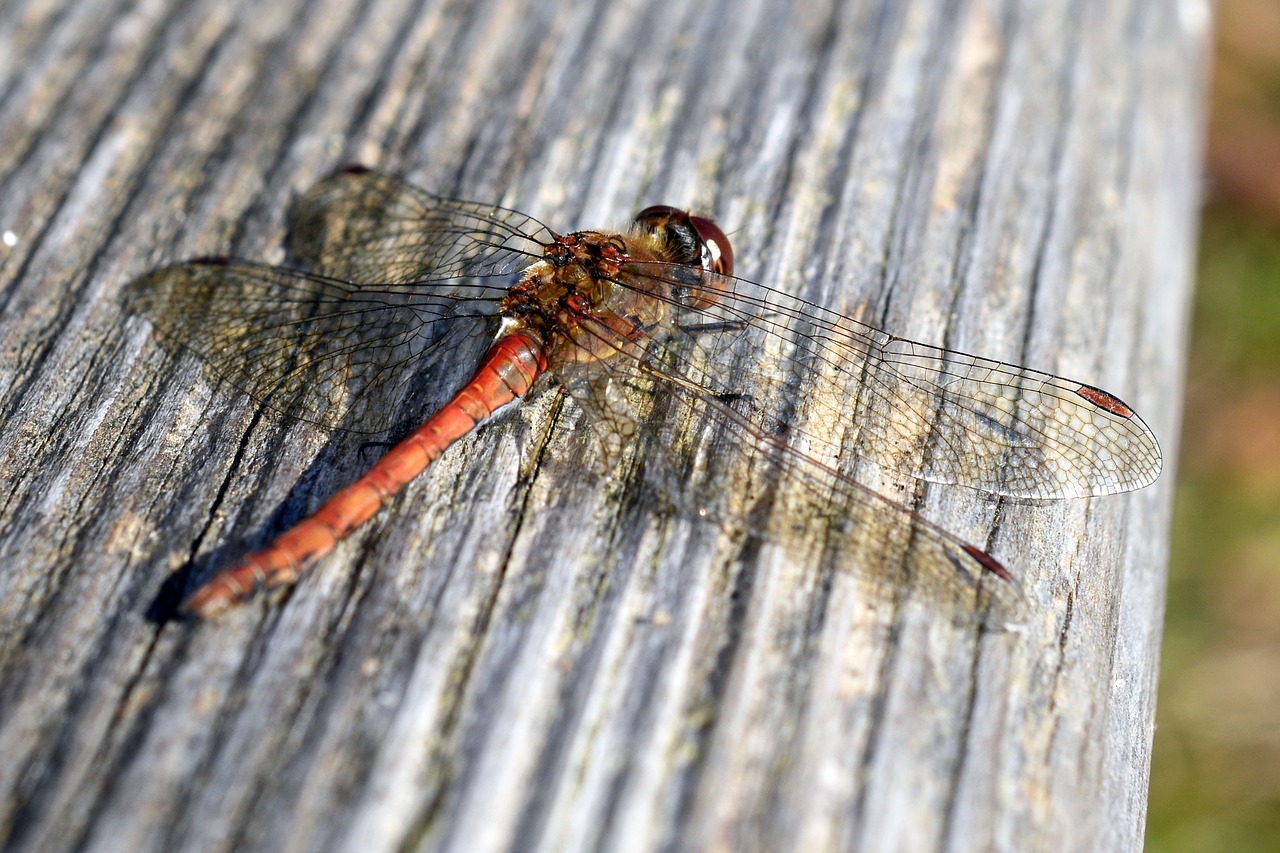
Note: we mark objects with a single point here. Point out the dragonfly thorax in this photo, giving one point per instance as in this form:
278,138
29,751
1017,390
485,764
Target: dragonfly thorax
582,302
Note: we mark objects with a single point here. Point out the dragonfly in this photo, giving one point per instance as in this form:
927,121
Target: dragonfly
396,284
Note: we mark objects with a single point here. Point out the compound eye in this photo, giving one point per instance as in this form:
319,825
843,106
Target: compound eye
655,219
692,240
717,252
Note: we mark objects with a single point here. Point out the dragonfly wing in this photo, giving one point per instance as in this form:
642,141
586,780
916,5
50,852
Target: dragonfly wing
311,347
884,541
910,408
1003,428
362,225
608,403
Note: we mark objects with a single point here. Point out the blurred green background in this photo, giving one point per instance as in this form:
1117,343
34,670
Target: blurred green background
1215,776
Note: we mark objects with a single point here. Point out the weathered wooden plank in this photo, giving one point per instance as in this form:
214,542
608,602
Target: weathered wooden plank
526,651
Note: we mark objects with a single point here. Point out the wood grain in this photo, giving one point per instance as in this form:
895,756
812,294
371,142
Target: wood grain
527,651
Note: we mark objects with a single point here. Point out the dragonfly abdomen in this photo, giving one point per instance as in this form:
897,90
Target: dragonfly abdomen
507,371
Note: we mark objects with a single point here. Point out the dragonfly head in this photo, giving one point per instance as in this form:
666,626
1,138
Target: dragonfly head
691,240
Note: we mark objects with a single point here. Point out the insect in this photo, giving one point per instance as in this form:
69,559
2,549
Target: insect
400,279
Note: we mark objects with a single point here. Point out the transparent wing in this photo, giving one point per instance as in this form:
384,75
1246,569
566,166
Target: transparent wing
361,225
312,347
607,404
910,408
884,541
345,344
